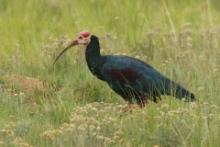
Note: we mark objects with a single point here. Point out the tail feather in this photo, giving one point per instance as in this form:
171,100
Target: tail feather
179,91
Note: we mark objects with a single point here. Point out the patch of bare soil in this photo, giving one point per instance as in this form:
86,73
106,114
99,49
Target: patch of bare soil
28,87
24,83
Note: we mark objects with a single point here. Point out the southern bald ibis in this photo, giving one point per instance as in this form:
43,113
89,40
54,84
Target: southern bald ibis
133,79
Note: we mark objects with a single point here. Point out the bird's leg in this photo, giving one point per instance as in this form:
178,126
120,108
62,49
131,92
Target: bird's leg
142,101
141,105
156,98
129,107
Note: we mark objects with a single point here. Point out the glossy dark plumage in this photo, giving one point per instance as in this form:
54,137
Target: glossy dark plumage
131,78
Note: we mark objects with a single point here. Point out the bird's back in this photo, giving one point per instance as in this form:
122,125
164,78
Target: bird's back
141,68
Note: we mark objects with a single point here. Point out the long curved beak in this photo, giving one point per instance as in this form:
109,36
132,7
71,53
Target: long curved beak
73,43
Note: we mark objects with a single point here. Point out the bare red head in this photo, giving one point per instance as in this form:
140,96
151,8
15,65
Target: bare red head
85,34
82,39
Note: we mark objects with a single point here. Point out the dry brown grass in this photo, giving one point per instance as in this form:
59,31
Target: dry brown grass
25,87
23,83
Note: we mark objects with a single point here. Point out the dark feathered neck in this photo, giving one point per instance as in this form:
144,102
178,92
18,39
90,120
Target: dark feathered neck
93,48
93,57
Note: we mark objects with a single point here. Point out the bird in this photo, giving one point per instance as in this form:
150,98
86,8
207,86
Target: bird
134,80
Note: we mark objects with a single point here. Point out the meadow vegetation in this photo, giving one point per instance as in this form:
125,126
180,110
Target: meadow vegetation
65,105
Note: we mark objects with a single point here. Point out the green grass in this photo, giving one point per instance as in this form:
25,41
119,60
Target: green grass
179,38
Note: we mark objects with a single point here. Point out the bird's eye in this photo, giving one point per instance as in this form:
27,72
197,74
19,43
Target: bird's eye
80,37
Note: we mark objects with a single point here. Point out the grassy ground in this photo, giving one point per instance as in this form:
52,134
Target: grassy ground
67,106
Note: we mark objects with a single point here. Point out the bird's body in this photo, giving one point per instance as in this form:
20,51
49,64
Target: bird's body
132,79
